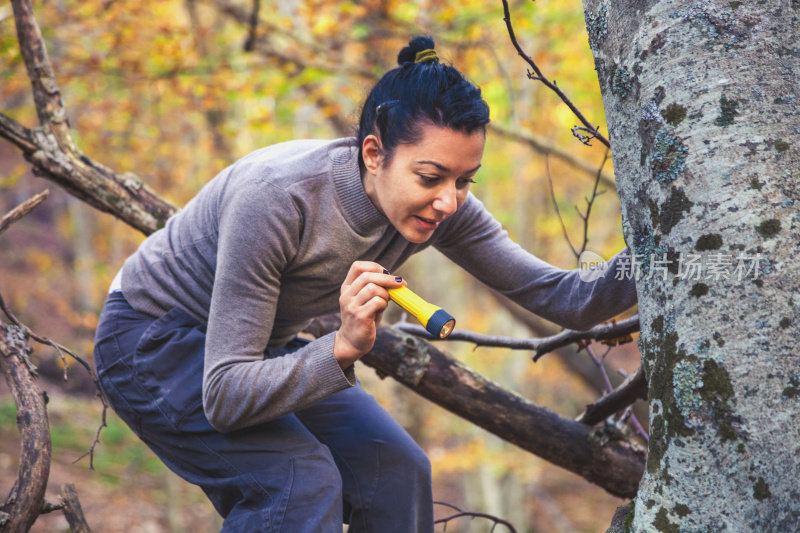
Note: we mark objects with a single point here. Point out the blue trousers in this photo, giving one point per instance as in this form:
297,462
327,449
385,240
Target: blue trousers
342,460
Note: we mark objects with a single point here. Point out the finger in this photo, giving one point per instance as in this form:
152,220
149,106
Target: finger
374,307
387,281
358,268
365,304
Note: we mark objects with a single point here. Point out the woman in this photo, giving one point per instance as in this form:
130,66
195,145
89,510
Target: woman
196,347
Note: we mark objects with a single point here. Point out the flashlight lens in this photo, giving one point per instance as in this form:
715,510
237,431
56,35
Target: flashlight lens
447,328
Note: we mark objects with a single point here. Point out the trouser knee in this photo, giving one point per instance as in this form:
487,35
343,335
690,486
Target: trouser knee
305,495
316,494
407,463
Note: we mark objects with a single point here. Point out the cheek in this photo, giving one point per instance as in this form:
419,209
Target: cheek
461,197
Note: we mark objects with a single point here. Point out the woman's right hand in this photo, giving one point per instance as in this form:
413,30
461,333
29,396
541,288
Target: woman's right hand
362,302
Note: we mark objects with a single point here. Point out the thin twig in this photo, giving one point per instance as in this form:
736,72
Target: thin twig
542,346
472,514
638,427
96,441
61,349
539,144
22,209
42,340
555,206
583,216
537,75
590,202
602,368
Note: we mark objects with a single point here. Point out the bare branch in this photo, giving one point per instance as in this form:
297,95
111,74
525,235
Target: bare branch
598,362
53,153
27,497
22,209
616,332
61,350
590,202
541,145
603,332
537,75
632,389
17,134
46,93
472,514
555,206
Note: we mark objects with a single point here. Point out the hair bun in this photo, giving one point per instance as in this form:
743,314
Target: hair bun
415,45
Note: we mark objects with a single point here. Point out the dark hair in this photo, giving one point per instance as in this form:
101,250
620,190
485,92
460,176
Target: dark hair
415,93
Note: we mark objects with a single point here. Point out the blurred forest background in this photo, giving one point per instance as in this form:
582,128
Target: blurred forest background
175,90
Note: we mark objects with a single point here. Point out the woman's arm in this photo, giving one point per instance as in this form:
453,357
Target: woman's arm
259,232
475,240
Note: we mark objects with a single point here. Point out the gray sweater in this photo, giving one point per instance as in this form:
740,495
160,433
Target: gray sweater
264,247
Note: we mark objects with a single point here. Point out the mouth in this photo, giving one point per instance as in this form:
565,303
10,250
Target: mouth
428,224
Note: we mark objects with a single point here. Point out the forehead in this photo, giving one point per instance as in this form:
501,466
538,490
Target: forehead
454,150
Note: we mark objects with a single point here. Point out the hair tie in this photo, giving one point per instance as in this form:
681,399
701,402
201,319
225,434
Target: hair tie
426,56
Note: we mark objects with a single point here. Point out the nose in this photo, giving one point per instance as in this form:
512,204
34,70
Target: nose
446,201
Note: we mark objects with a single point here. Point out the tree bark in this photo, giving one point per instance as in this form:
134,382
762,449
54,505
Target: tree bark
701,101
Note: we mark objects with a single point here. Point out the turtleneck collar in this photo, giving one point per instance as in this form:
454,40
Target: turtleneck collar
362,214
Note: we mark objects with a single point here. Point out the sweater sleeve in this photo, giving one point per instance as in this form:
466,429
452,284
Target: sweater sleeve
474,240
259,230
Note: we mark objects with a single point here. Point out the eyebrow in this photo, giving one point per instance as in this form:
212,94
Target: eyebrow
444,168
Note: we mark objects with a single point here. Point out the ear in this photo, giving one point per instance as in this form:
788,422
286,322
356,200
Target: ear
372,153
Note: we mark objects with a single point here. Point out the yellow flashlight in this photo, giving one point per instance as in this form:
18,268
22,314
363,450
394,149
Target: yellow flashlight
436,320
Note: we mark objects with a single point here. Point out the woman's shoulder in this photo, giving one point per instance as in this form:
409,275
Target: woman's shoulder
283,171
296,157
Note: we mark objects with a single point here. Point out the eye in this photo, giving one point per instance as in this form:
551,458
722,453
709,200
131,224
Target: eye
464,182
428,179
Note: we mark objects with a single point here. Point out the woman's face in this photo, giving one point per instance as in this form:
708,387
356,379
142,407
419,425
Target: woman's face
425,182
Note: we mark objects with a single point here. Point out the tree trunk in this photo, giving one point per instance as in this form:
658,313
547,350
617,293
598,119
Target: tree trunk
701,102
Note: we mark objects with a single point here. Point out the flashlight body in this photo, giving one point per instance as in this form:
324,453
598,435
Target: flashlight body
435,320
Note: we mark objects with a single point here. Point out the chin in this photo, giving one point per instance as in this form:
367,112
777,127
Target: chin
416,237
